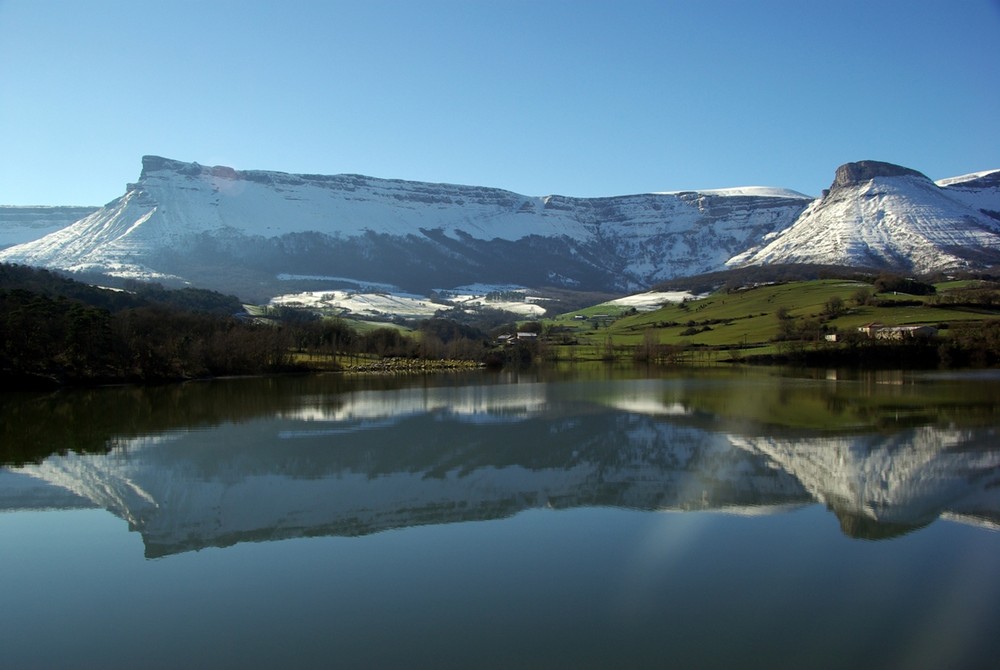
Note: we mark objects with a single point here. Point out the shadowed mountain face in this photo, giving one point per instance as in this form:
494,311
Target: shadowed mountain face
239,230
255,461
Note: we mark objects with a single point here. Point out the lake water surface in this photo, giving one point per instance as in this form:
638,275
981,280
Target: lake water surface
696,519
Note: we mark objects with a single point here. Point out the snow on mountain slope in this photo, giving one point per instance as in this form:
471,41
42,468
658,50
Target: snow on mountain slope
965,179
882,215
213,225
761,191
23,224
247,232
979,190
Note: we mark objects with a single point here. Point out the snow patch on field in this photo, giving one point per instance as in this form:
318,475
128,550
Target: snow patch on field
386,304
508,298
652,300
361,304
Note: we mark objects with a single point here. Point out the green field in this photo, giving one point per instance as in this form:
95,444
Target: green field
748,319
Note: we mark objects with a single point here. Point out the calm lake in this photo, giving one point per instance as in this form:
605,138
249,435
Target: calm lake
601,518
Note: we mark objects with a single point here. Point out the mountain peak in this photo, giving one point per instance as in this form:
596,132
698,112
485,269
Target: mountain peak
850,174
905,222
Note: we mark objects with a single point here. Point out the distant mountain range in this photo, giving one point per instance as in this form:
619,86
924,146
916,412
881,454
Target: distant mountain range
25,224
259,234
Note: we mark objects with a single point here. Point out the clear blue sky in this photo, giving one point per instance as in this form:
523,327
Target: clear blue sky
581,97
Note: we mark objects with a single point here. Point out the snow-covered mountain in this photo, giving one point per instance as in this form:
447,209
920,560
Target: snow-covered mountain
886,216
240,230
261,234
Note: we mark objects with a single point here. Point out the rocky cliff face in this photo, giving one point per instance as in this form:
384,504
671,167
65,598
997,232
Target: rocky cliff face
853,174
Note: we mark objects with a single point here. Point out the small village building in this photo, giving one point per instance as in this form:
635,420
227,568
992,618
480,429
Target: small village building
523,336
870,329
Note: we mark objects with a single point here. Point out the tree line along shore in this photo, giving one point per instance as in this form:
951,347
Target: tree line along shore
55,331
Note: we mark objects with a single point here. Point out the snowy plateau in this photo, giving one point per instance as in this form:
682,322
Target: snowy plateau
262,235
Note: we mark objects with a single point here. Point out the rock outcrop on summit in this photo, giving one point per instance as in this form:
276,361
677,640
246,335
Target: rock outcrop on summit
852,174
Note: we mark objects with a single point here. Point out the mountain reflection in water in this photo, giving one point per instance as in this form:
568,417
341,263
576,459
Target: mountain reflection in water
257,460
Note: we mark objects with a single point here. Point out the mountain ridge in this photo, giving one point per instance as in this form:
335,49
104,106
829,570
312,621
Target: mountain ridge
242,231
24,223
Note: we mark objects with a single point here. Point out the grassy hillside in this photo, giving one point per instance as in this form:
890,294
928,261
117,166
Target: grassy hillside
764,319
